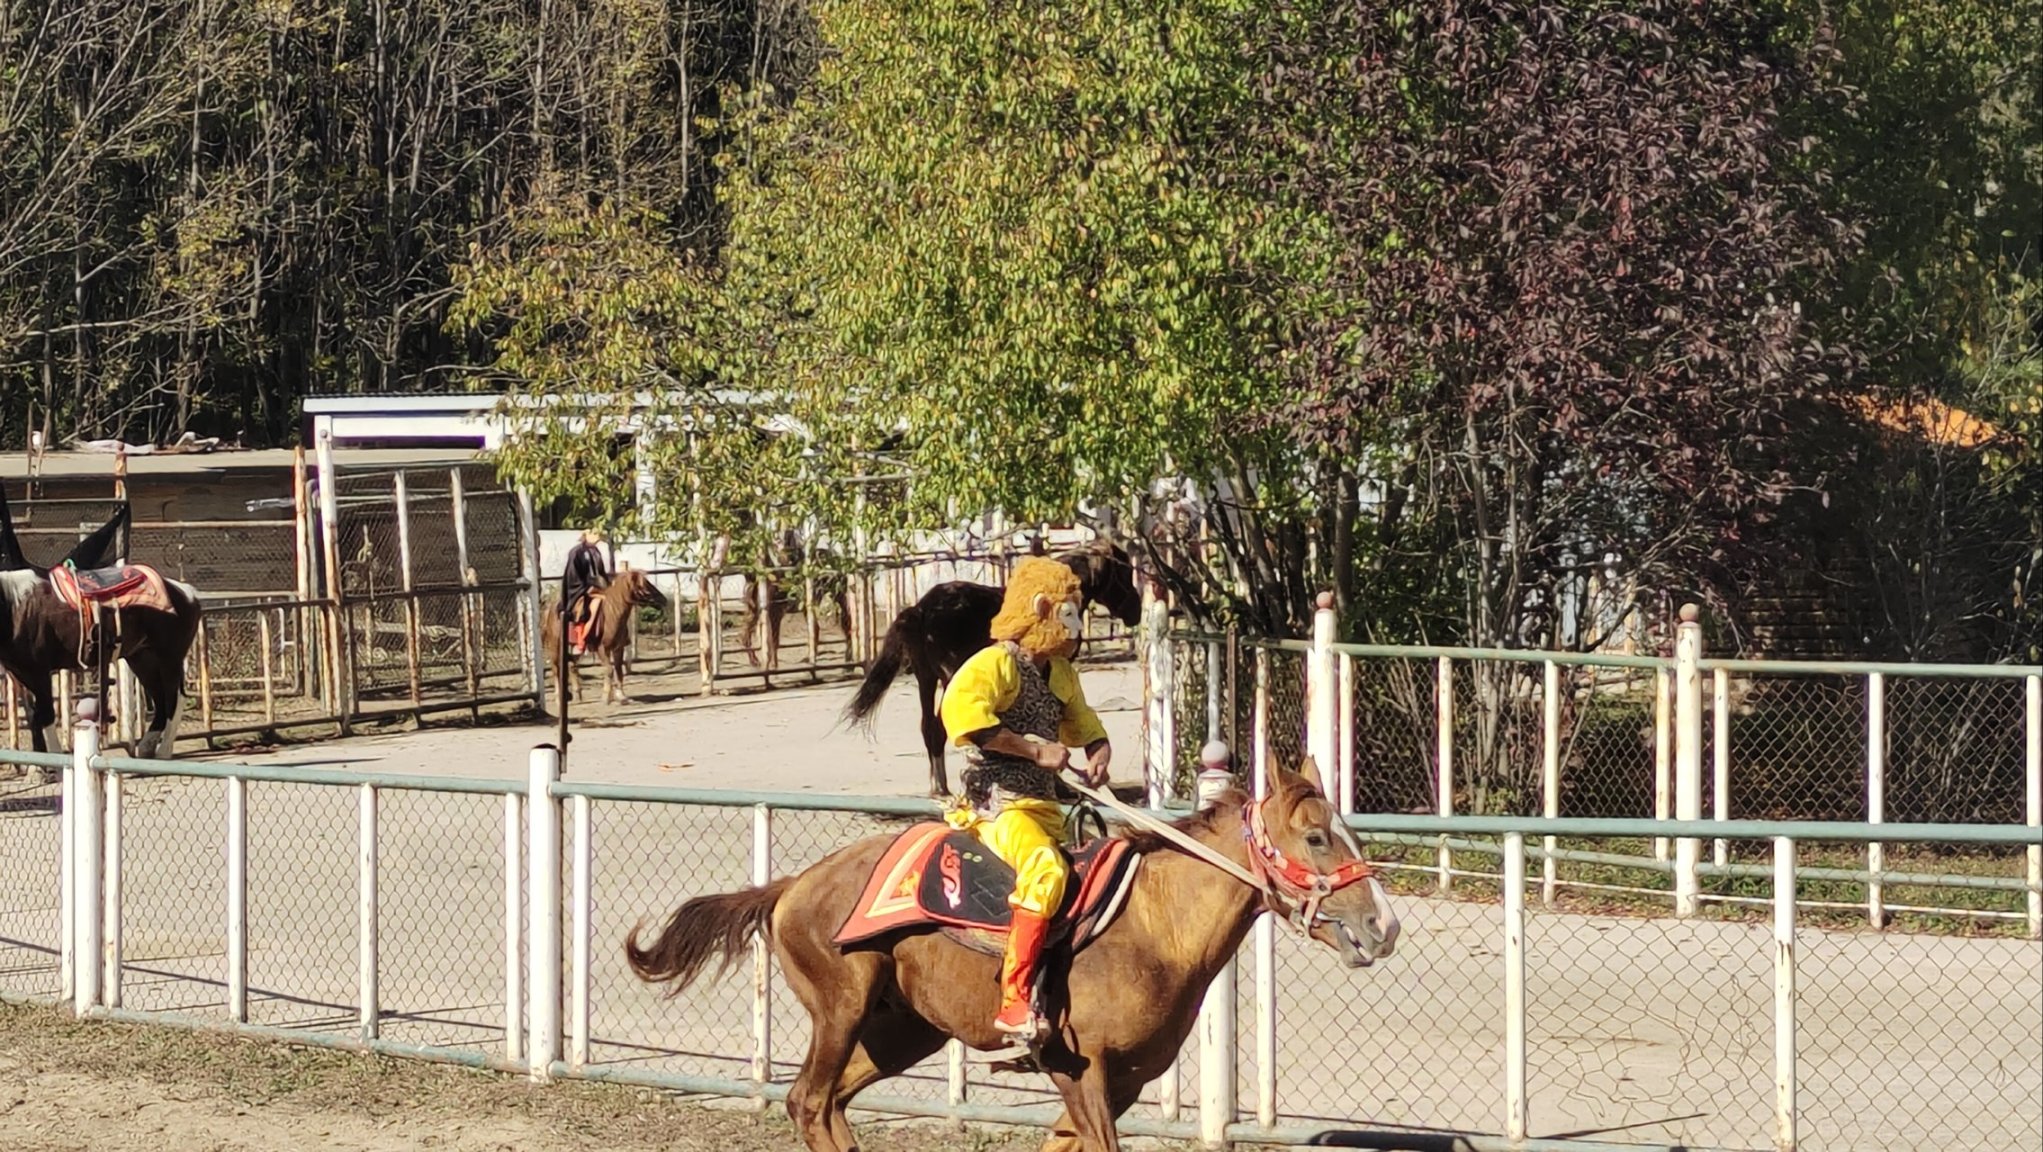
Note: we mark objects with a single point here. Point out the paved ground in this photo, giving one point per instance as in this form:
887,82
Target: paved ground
1641,1030
789,739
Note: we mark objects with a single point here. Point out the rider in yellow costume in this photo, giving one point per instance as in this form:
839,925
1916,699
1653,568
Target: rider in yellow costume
1024,687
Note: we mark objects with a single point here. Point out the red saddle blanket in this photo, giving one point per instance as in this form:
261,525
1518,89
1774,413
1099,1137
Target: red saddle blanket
933,874
129,586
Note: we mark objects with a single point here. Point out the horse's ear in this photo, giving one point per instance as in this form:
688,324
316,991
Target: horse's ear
1309,769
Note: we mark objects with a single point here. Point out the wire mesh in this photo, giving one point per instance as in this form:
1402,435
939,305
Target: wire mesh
1657,1027
649,859
440,897
302,906
1413,1042
1917,1040
174,895
30,839
1798,747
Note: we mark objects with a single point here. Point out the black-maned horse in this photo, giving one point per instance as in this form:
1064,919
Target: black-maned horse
936,635
41,635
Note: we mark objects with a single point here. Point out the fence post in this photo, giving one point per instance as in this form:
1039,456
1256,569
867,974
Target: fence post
1515,1112
1345,733
514,939
1154,645
237,899
339,667
1443,707
581,911
1688,756
762,957
400,494
85,843
1266,924
1784,993
532,602
110,901
1663,773
1720,758
1549,773
471,636
67,879
542,849
368,929
1216,1023
1876,793
2035,782
1322,697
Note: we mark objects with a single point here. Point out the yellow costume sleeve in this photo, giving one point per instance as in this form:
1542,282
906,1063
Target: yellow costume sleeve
973,700
1081,725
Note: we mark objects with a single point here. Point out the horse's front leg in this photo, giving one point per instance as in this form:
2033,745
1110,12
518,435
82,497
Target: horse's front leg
1088,1106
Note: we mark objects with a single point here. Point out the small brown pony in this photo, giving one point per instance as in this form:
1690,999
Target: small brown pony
1122,1007
609,633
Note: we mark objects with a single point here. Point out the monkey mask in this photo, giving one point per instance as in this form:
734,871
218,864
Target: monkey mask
1040,609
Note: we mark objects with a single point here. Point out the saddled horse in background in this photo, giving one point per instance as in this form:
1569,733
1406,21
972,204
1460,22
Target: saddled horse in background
936,635
884,993
787,555
609,634
132,613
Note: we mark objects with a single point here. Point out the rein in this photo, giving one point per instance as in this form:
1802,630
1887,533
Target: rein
1278,878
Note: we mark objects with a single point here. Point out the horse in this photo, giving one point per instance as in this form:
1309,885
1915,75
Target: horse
41,633
609,632
1120,1008
830,587
936,635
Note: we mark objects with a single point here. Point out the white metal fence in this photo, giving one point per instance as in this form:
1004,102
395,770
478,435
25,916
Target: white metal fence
482,921
1480,731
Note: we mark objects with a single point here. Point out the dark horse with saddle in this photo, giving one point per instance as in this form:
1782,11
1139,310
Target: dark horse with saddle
936,635
85,612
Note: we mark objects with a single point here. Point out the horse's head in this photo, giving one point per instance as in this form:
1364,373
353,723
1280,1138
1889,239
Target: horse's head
1315,870
640,588
1107,576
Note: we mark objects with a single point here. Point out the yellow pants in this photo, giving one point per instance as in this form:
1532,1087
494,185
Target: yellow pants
1026,836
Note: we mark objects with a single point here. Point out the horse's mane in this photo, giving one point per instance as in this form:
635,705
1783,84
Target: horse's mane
1228,804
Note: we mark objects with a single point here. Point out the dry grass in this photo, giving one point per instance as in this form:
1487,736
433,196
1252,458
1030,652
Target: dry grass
174,1087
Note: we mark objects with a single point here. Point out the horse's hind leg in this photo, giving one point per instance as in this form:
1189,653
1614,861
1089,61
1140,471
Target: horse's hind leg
891,1043
932,733
162,682
42,709
837,988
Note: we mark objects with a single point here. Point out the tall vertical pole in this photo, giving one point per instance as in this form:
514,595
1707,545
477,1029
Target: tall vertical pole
1876,793
1688,756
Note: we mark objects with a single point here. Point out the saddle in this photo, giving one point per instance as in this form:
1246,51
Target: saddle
935,875
126,586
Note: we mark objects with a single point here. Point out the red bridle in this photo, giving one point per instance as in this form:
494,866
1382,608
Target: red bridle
1302,884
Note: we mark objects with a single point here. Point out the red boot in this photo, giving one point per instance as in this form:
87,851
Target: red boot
1018,974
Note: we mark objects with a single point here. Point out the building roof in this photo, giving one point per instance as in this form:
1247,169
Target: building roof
73,465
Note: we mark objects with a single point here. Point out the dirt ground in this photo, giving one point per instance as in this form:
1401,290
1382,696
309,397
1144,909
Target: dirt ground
69,1086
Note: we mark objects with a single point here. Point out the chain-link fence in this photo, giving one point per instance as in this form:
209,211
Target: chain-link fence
1668,1029
1597,736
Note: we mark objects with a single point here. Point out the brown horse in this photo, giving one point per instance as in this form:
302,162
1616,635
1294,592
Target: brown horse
609,633
1122,1007
936,635
772,598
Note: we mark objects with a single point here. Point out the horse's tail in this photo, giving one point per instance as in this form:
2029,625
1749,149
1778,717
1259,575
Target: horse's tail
700,930
886,666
